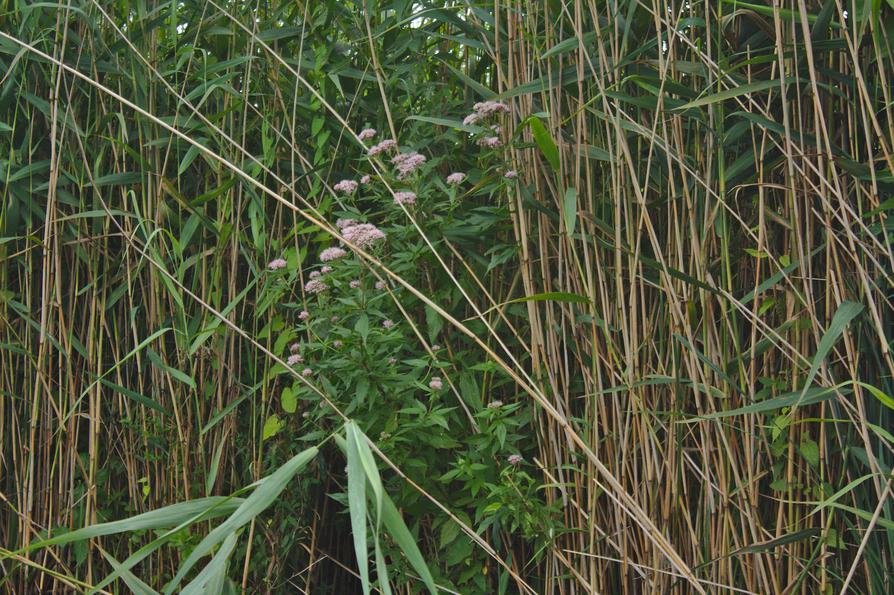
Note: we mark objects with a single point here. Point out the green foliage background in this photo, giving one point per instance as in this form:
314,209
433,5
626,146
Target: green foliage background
678,314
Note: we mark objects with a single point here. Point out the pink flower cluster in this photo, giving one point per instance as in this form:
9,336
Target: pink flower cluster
315,286
490,142
387,324
294,359
385,145
435,383
362,235
355,283
343,223
455,179
405,197
365,179
484,109
346,186
511,174
303,315
330,254
515,459
407,163
276,264
367,133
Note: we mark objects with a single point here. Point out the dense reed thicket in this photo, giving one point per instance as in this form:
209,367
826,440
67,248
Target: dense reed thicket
611,315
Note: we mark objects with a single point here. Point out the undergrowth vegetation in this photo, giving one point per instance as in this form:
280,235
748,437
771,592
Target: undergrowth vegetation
511,297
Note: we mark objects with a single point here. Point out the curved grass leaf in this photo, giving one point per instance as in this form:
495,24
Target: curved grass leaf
162,518
544,141
265,493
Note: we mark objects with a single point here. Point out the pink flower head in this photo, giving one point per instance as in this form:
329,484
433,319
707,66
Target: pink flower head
303,315
495,404
471,119
294,347
514,459
325,269
346,186
315,286
367,133
490,142
405,197
387,324
455,179
343,223
486,108
392,360
385,145
315,274
407,163
511,174
435,383
365,179
333,253
380,285
355,284
294,359
362,235
435,347
336,343
276,264
306,372
334,319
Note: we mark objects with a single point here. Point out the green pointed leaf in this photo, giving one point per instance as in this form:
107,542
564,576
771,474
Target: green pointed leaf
545,142
288,400
265,492
271,427
404,539
570,210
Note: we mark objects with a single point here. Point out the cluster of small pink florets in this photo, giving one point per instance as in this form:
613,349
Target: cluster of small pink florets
367,133
385,145
330,254
405,197
276,264
455,179
483,109
491,142
362,235
407,163
346,186
315,286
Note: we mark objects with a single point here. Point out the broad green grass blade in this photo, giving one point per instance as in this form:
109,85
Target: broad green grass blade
545,142
810,397
133,583
211,578
357,505
168,516
260,499
396,527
